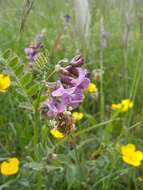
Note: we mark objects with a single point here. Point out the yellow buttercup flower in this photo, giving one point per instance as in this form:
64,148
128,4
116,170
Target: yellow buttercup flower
124,106
9,167
131,156
4,82
92,88
57,134
77,116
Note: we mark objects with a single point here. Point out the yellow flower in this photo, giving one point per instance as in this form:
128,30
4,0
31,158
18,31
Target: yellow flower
116,107
130,155
92,88
57,134
124,106
10,167
77,116
4,82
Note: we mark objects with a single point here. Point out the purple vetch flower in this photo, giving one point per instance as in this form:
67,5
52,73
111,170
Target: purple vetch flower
70,89
32,51
61,90
58,101
70,97
80,79
55,106
62,98
58,104
76,98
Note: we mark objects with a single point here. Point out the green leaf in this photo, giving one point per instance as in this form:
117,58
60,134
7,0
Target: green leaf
7,53
25,105
91,119
33,90
13,62
26,79
34,166
38,101
19,70
72,174
41,60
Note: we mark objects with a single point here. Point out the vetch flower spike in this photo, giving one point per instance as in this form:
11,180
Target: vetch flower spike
67,95
32,52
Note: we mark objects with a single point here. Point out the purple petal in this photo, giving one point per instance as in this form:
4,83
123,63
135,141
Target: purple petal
84,84
60,91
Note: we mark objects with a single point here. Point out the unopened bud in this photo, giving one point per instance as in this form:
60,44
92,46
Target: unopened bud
97,74
57,68
70,108
77,61
67,112
63,61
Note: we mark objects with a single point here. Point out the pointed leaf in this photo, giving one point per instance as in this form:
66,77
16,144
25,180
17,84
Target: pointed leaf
13,62
19,70
26,79
33,90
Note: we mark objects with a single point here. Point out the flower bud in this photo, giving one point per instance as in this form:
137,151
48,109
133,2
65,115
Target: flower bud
57,68
77,61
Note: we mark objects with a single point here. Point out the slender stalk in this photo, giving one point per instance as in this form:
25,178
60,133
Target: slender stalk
136,79
101,88
103,45
37,118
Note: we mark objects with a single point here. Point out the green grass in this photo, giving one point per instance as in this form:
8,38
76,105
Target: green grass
90,158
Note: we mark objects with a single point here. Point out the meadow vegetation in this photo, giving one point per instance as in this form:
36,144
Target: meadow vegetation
71,105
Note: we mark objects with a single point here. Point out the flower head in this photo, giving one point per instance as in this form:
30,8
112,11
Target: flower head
4,82
130,155
9,167
57,134
117,107
70,89
67,95
32,52
124,106
92,88
77,116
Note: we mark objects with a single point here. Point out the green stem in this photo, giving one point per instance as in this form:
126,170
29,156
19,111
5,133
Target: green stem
101,87
110,128
37,119
78,159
